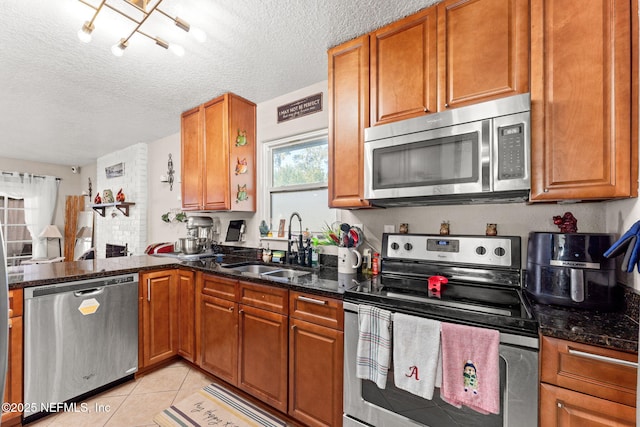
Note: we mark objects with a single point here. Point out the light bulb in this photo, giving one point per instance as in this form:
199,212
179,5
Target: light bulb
84,33
118,48
198,34
176,49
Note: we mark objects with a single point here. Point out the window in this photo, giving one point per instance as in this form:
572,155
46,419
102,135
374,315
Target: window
14,229
297,171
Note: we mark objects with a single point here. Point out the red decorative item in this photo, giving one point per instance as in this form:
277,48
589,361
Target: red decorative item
97,199
567,223
120,196
436,282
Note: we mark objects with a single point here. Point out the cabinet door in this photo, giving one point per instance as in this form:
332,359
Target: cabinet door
191,159
348,116
562,407
262,364
315,374
483,50
216,155
584,99
159,330
187,315
403,68
219,338
13,385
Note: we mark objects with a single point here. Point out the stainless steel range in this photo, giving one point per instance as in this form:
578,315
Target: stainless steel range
484,289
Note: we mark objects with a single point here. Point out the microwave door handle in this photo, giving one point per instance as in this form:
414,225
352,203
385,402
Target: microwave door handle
577,284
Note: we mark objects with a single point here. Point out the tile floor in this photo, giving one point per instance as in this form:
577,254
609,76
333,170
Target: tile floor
134,403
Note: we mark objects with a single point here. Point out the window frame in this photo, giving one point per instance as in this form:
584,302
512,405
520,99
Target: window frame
267,155
12,260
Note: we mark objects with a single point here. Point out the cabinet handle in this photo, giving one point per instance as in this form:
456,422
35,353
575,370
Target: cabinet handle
546,190
312,300
10,312
446,105
149,290
230,308
601,358
10,323
293,327
426,110
560,404
241,311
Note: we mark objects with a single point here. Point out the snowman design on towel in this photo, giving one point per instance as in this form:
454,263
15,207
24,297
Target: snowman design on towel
470,377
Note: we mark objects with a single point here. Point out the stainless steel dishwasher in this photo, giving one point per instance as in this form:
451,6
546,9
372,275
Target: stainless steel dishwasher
78,337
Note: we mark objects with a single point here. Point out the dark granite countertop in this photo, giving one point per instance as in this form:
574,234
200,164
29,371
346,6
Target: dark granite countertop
322,281
617,330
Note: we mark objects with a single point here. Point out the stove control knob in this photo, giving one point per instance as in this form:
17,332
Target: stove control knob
395,246
481,250
408,246
499,251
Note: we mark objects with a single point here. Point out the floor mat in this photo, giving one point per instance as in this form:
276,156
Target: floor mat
214,405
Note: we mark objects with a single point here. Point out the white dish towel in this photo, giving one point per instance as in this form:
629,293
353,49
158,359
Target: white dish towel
416,349
374,344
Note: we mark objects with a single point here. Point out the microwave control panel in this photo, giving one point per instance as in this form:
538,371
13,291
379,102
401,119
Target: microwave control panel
511,157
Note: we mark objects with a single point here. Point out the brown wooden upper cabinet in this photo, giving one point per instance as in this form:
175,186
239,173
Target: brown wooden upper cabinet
348,117
584,83
456,53
219,155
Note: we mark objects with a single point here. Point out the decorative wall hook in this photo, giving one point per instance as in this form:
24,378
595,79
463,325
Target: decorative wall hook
170,172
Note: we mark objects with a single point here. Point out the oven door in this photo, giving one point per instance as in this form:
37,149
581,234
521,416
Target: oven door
449,160
366,404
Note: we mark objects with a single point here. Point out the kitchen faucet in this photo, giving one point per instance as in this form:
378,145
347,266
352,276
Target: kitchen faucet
290,257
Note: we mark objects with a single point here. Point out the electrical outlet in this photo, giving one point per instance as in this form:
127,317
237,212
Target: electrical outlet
390,228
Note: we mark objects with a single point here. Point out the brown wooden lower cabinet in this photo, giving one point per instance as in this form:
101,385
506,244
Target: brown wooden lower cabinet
262,358
565,408
158,338
586,385
282,347
316,348
187,315
315,374
13,387
219,338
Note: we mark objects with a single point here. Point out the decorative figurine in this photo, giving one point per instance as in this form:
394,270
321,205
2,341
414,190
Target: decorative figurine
108,196
120,196
492,230
264,228
98,199
444,228
567,223
404,228
241,166
242,195
241,139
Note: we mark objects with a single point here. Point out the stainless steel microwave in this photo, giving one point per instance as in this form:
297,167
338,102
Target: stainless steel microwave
475,154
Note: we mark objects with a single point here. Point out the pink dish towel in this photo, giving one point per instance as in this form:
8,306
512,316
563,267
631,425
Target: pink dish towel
374,344
470,367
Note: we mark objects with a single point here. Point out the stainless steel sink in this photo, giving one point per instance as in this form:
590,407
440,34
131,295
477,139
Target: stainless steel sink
253,268
267,271
286,273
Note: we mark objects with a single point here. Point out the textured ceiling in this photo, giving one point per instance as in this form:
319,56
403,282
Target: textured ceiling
68,103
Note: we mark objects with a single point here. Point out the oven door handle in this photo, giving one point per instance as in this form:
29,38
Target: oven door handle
601,358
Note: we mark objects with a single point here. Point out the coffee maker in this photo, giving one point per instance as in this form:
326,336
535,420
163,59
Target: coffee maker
569,269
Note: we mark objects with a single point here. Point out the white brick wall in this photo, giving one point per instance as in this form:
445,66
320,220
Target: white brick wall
114,227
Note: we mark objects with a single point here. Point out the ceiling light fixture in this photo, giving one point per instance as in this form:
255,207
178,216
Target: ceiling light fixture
84,34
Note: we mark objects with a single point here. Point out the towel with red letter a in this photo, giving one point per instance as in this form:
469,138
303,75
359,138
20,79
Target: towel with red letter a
416,347
470,367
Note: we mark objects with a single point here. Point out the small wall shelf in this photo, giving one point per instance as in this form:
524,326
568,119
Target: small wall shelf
121,206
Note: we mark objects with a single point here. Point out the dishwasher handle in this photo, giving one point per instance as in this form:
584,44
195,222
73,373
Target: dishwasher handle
89,292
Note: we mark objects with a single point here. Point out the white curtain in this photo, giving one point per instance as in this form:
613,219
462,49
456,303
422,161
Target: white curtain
39,194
